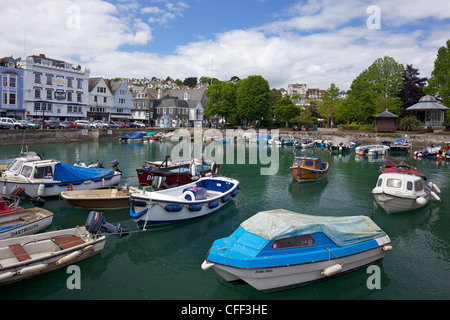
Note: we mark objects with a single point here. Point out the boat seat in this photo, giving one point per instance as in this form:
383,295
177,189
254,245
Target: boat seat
66,242
19,252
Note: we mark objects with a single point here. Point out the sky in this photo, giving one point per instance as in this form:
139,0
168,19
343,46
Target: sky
317,42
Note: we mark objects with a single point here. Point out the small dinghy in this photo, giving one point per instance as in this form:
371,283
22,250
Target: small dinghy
100,199
279,249
399,192
186,202
34,255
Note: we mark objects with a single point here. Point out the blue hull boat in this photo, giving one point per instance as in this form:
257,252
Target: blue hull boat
279,249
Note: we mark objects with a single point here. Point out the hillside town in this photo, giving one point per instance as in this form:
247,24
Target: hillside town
38,87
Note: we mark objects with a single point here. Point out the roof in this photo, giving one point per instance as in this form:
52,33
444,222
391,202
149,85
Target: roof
427,103
386,114
280,223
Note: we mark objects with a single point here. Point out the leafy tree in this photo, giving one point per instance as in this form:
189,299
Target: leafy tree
286,109
222,100
439,83
413,86
382,78
330,103
190,82
253,98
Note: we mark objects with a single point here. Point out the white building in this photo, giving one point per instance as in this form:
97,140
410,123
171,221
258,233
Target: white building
101,100
54,89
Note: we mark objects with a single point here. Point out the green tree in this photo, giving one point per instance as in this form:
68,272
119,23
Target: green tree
439,82
253,98
382,78
190,82
330,104
286,109
412,89
222,100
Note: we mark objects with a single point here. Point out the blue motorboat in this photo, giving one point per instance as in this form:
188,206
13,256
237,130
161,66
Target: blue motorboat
279,249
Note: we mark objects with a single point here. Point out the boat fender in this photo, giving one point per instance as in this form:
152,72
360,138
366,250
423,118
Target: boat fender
88,248
435,187
213,204
421,201
69,257
173,207
41,189
332,270
206,265
195,207
6,275
32,269
235,192
435,196
226,198
387,248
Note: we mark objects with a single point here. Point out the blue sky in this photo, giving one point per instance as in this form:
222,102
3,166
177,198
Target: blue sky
317,42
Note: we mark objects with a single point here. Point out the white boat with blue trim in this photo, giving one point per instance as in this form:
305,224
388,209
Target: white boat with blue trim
45,178
186,202
280,249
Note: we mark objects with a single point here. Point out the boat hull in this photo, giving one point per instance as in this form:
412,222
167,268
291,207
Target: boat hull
31,220
149,209
100,199
43,261
279,278
54,188
393,204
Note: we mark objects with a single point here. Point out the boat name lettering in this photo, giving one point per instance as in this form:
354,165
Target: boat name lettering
150,177
264,271
22,230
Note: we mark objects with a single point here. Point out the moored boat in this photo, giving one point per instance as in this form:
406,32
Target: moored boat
279,249
371,150
34,255
175,173
46,178
400,145
400,192
309,169
400,167
305,143
186,202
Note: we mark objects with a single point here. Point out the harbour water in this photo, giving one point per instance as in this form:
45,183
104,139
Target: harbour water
164,263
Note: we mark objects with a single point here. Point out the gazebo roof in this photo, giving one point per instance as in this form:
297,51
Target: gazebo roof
386,114
427,103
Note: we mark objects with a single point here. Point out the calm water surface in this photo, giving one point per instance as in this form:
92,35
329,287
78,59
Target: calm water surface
164,263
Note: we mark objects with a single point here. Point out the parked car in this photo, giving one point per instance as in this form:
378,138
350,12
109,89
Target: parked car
101,124
121,124
11,123
29,124
64,125
112,124
52,124
131,124
85,124
73,125
139,124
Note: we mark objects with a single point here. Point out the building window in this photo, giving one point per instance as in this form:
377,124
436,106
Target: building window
122,101
37,93
37,106
105,99
69,82
95,98
49,79
37,78
119,110
69,95
49,94
12,99
78,96
80,83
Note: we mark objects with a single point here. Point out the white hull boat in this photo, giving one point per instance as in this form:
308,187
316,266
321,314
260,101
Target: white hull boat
44,178
182,203
372,150
34,255
400,192
279,249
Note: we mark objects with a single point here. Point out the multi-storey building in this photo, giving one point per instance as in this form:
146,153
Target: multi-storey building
11,89
101,102
54,89
122,100
143,105
299,89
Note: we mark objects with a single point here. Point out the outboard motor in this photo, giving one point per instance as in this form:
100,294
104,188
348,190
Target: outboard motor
95,222
19,192
158,183
115,165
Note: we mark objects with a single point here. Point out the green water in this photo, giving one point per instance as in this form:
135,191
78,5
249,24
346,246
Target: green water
164,263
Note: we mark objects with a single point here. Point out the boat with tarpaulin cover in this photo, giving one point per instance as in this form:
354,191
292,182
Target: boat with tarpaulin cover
280,249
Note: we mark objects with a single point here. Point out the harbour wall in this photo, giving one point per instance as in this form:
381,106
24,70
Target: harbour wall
30,137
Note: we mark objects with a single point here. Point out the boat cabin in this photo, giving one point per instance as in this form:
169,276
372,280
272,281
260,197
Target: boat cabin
309,162
405,184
